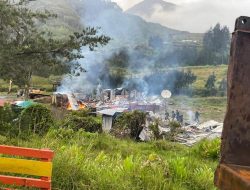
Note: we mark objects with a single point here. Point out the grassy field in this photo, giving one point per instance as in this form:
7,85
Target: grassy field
100,162
39,82
202,73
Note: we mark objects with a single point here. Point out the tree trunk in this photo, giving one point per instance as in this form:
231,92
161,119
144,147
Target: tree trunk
27,86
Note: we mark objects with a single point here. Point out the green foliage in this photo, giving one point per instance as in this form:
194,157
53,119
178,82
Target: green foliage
25,50
176,81
129,123
174,126
115,69
175,129
36,119
99,161
210,88
77,120
6,119
155,129
208,149
216,43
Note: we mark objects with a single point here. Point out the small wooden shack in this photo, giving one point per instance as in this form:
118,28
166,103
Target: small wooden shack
108,117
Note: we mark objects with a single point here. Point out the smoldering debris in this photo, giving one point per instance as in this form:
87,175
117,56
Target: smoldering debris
195,133
121,99
107,99
188,134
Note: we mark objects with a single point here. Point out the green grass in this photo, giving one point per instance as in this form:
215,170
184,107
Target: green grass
39,82
98,161
202,73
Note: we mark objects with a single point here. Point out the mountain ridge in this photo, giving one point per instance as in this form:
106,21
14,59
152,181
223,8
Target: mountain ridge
148,7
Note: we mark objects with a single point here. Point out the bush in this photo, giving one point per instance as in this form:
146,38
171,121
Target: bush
155,129
129,124
82,120
36,119
208,149
8,121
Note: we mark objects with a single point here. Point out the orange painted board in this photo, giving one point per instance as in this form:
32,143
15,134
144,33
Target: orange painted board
26,182
26,152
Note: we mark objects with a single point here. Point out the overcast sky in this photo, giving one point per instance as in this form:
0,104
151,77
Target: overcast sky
125,4
197,15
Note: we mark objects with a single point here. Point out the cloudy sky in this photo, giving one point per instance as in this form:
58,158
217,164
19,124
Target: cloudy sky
197,15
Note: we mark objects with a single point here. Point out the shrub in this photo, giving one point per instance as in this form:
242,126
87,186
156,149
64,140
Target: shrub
130,123
36,119
82,120
155,129
8,120
208,149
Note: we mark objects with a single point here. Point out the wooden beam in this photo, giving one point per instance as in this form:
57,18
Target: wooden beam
29,167
26,152
25,182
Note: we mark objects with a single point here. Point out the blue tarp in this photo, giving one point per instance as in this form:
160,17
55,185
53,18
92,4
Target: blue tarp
24,104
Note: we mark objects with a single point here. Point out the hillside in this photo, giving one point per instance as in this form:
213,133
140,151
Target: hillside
122,27
67,19
148,7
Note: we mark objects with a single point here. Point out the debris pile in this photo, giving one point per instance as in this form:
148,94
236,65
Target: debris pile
112,102
194,133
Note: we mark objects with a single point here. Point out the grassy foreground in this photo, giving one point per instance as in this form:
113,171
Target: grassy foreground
98,161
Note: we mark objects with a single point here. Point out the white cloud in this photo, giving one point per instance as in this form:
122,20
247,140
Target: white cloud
197,15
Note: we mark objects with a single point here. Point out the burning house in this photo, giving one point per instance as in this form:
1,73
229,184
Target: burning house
106,99
68,101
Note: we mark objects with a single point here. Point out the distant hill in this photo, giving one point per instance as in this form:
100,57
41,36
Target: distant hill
67,19
148,7
122,27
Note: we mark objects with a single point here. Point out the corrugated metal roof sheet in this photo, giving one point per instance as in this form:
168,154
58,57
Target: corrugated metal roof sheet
112,112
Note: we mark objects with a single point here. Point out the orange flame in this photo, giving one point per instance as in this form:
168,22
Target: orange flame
81,106
69,107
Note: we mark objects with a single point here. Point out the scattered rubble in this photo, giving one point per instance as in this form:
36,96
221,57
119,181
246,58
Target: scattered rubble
111,102
194,133
190,134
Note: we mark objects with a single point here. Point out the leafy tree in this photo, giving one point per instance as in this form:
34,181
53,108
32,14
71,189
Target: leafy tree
174,81
25,50
81,120
114,72
210,85
35,119
216,43
129,124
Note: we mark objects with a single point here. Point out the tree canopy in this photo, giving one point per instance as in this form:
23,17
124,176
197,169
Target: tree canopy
216,43
25,49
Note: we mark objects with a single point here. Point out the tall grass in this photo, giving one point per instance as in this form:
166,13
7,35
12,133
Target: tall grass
98,161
